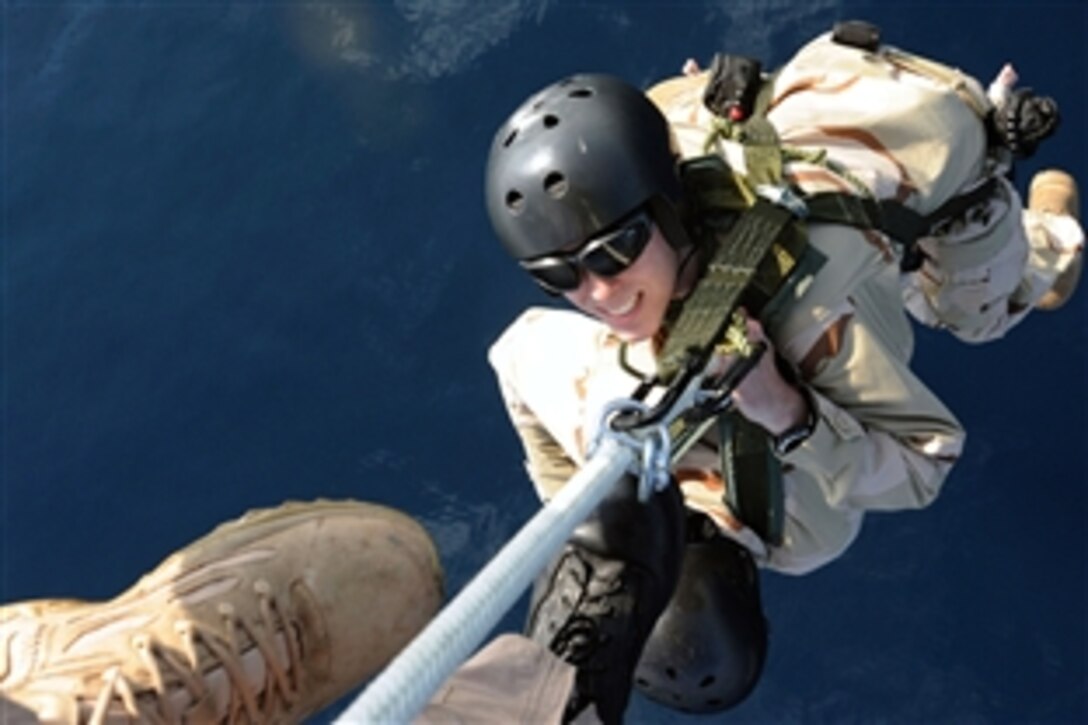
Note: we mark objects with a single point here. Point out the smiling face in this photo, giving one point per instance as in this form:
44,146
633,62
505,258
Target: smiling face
633,303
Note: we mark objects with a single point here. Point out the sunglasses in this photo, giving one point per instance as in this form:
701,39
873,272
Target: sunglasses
605,256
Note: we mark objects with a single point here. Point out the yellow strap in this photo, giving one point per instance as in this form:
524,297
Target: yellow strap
955,79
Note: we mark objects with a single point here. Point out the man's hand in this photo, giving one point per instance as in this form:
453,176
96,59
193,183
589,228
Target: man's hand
764,396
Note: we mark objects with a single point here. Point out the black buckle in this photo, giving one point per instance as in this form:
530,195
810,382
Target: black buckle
857,34
733,86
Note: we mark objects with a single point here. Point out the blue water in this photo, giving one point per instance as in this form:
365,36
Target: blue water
246,259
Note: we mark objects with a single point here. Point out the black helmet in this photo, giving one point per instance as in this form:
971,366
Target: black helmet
708,647
574,159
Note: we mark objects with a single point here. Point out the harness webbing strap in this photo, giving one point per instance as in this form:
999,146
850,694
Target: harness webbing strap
735,260
757,254
754,490
750,263
903,224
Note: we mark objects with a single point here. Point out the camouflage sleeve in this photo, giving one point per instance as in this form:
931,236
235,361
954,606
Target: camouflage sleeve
883,440
548,464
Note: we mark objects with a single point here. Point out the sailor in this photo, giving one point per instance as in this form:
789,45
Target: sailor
628,205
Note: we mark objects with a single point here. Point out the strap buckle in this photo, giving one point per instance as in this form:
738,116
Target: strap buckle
784,197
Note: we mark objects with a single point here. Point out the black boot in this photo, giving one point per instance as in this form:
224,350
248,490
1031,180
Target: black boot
596,604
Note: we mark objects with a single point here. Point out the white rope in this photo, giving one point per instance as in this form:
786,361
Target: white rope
403,689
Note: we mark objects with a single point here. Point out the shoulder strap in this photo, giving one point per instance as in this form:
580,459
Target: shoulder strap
757,254
754,253
901,223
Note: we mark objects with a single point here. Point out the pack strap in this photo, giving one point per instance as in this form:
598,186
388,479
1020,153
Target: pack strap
755,492
903,224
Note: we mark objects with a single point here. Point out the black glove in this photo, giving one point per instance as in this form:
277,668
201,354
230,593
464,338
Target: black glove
1025,120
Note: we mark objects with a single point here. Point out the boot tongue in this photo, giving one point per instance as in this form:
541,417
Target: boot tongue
215,705
312,630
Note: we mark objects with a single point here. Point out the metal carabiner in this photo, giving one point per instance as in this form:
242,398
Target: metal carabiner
651,442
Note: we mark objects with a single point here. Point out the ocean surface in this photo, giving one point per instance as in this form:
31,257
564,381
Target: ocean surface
246,259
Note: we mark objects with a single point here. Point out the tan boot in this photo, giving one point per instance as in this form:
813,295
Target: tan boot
267,619
1055,192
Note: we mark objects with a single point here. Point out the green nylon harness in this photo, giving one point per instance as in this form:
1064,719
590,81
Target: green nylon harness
756,255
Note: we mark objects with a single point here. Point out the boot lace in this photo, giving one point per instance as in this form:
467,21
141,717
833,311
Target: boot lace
247,703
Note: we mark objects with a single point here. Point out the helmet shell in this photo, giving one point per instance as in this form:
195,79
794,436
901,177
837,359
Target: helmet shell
574,159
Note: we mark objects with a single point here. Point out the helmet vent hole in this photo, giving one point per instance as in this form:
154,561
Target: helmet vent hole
510,138
556,184
707,681
551,121
581,93
515,202
671,673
